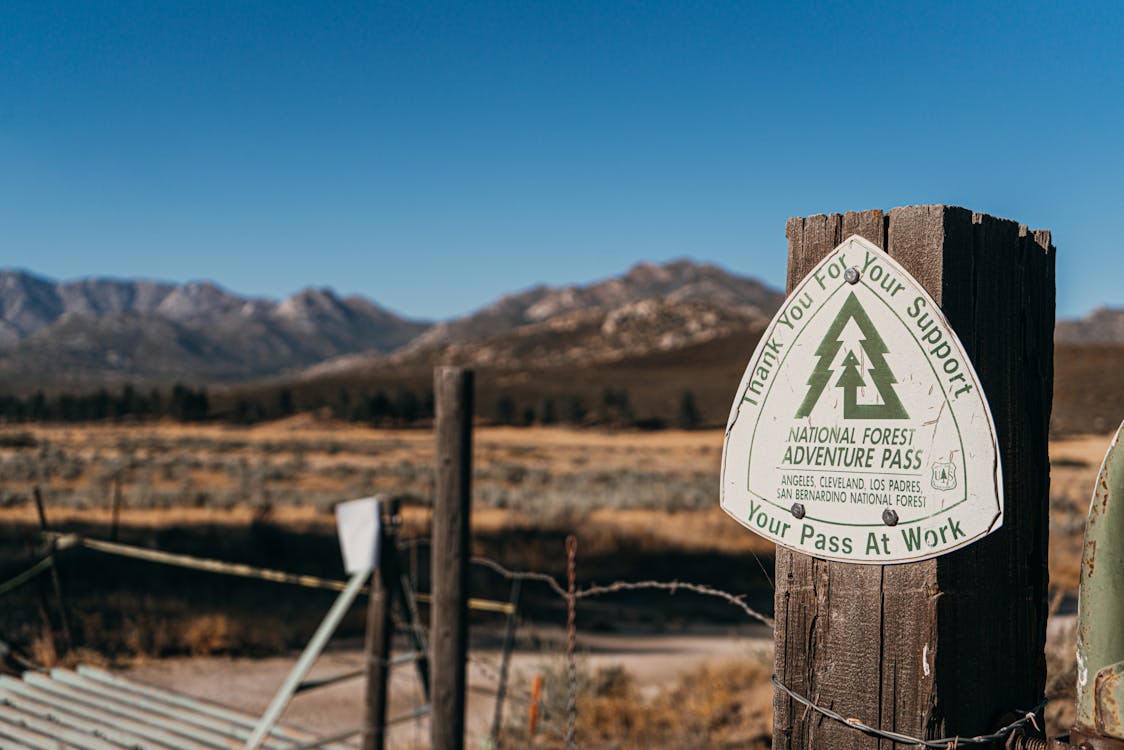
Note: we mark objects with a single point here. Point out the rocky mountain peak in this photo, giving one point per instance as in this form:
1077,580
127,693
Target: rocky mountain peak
197,299
680,280
197,330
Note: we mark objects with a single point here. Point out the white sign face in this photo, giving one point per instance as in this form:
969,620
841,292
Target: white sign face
860,432
357,522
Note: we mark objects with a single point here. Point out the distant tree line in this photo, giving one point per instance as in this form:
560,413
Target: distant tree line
182,403
190,404
613,408
380,408
402,407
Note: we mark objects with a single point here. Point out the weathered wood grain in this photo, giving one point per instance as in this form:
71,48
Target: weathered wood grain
453,393
949,645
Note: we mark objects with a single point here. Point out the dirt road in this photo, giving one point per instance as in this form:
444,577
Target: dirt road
249,684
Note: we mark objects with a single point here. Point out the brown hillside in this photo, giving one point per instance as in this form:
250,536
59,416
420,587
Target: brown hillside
1088,388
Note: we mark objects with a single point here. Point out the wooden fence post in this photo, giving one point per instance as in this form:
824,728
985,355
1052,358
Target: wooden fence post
380,633
949,645
453,392
68,639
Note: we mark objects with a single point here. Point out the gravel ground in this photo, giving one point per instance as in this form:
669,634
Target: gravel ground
249,684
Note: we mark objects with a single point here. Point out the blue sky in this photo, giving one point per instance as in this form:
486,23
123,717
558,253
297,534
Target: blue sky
435,155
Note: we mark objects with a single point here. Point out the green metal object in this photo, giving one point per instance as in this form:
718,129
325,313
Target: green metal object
1100,611
304,663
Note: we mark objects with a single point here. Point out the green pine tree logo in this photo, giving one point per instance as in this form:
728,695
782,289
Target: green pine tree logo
851,378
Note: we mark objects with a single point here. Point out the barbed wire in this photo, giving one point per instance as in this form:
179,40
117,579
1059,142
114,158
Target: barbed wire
672,587
945,743
523,575
487,668
570,596
573,595
764,571
619,586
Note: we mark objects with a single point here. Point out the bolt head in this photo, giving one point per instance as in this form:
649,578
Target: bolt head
851,275
890,517
798,510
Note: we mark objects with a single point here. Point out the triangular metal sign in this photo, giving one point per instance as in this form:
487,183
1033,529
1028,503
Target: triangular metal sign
860,432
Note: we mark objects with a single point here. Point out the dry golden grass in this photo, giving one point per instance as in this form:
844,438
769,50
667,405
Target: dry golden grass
654,489
728,705
626,492
715,705
298,517
303,461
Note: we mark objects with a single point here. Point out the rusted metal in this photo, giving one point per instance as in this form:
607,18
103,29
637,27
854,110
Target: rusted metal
1093,741
1022,740
1100,634
1108,691
533,708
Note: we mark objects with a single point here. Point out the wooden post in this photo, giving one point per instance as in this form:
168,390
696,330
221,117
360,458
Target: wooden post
68,640
41,603
951,645
116,514
453,391
380,633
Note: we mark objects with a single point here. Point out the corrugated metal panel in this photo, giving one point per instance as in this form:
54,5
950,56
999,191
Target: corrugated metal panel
95,710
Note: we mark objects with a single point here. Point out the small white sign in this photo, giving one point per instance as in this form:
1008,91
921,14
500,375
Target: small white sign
860,432
358,524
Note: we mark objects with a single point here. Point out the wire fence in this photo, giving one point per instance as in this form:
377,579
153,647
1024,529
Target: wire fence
566,727
573,595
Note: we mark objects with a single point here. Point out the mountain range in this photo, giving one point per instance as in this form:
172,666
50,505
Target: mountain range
105,331
649,308
660,330
1104,325
110,330
680,281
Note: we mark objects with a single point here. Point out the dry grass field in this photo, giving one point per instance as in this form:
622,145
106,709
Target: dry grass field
640,502
646,489
311,463
643,504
